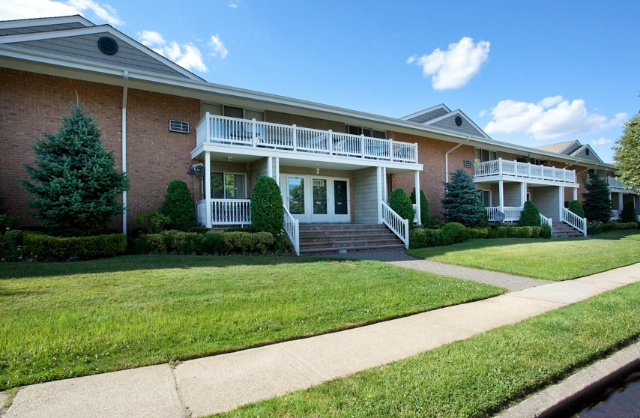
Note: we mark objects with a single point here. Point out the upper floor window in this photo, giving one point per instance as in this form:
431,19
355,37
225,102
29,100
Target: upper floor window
231,111
360,130
483,155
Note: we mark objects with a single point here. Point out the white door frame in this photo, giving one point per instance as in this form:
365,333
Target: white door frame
309,216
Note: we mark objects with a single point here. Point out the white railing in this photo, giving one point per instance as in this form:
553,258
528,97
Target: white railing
615,215
231,212
243,132
614,183
292,228
511,213
502,167
546,221
574,221
399,226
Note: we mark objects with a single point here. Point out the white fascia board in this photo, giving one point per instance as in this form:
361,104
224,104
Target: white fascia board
206,87
44,21
431,109
39,36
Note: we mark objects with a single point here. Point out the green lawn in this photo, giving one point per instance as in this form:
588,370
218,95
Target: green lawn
555,259
477,377
60,320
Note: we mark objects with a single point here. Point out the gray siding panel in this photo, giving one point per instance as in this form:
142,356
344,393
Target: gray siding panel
366,196
86,47
37,29
512,194
450,124
436,113
547,201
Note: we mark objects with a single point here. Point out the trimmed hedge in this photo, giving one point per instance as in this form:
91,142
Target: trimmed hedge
210,243
451,233
49,248
597,227
454,233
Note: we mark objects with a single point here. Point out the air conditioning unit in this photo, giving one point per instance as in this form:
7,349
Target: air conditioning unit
467,163
179,126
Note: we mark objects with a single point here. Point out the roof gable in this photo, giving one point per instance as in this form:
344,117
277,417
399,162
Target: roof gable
428,114
450,122
82,43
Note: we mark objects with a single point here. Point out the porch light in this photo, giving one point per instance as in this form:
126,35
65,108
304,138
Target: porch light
229,158
317,170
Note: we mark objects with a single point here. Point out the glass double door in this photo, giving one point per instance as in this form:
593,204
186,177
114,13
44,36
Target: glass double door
317,199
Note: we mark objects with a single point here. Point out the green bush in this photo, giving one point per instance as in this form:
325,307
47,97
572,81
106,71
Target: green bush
608,226
454,233
626,225
530,216
178,206
424,237
545,231
628,213
213,243
49,248
535,231
425,216
576,207
478,232
12,247
267,212
401,204
525,231
7,222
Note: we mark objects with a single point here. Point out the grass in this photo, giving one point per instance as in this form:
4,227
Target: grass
60,320
477,377
556,259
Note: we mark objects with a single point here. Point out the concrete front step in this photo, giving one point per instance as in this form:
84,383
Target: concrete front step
565,231
319,239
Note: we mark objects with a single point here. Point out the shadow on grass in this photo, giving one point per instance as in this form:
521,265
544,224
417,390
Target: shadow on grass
124,263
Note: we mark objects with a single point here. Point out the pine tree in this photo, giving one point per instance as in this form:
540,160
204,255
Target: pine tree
461,202
74,186
597,203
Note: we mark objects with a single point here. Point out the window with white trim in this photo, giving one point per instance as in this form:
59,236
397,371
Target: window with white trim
360,130
228,185
483,155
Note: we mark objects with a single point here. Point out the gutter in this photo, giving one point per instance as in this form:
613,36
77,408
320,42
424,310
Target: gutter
446,159
124,146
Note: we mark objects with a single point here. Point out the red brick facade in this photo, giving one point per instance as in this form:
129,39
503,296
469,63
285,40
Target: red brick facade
31,104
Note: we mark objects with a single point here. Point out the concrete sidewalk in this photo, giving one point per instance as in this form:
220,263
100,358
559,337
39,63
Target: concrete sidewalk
220,383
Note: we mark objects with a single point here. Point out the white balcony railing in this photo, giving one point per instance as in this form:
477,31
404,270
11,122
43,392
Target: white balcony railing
502,167
235,212
252,133
614,183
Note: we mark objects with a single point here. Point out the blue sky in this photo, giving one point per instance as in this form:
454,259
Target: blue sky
531,73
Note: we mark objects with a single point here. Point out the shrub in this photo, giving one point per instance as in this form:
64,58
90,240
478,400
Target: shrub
49,248
263,241
545,231
178,206
608,226
425,217
576,207
213,243
478,232
525,231
626,225
401,204
529,215
7,222
453,233
424,237
461,203
535,231
628,213
267,212
12,245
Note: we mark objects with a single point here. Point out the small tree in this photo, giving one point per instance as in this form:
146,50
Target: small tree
627,153
461,202
597,203
530,216
178,206
628,213
267,212
576,207
425,217
74,186
401,204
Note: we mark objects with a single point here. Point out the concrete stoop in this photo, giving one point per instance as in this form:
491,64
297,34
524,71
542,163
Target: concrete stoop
562,230
326,239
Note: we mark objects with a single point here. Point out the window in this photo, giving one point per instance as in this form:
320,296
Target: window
485,198
372,133
231,111
228,186
483,155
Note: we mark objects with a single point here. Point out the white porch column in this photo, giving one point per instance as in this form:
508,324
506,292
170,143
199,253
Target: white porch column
620,202
379,172
575,193
385,187
501,195
270,167
278,171
207,186
523,193
417,186
560,201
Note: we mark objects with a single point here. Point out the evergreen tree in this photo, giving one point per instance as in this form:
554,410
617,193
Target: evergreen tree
628,212
425,216
178,206
461,202
267,212
74,186
597,203
530,216
401,204
627,153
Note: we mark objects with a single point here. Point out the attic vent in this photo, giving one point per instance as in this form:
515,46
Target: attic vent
458,120
179,126
107,45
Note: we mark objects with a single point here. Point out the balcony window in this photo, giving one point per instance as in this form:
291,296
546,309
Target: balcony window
228,186
372,133
483,155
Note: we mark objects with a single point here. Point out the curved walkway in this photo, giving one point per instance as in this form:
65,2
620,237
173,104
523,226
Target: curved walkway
219,383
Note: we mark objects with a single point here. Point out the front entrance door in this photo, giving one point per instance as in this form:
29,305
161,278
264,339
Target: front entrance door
316,199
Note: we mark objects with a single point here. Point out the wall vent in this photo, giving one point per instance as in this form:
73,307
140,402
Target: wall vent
467,163
179,126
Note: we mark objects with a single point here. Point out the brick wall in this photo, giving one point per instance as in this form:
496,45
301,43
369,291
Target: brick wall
34,103
431,154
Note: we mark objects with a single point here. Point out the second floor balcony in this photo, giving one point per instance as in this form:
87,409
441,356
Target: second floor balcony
500,168
292,138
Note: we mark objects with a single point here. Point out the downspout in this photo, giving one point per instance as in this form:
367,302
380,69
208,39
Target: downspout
446,158
124,147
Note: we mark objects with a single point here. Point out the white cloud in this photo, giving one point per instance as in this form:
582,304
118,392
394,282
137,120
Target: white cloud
186,55
601,141
21,9
219,50
552,117
454,67
234,4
